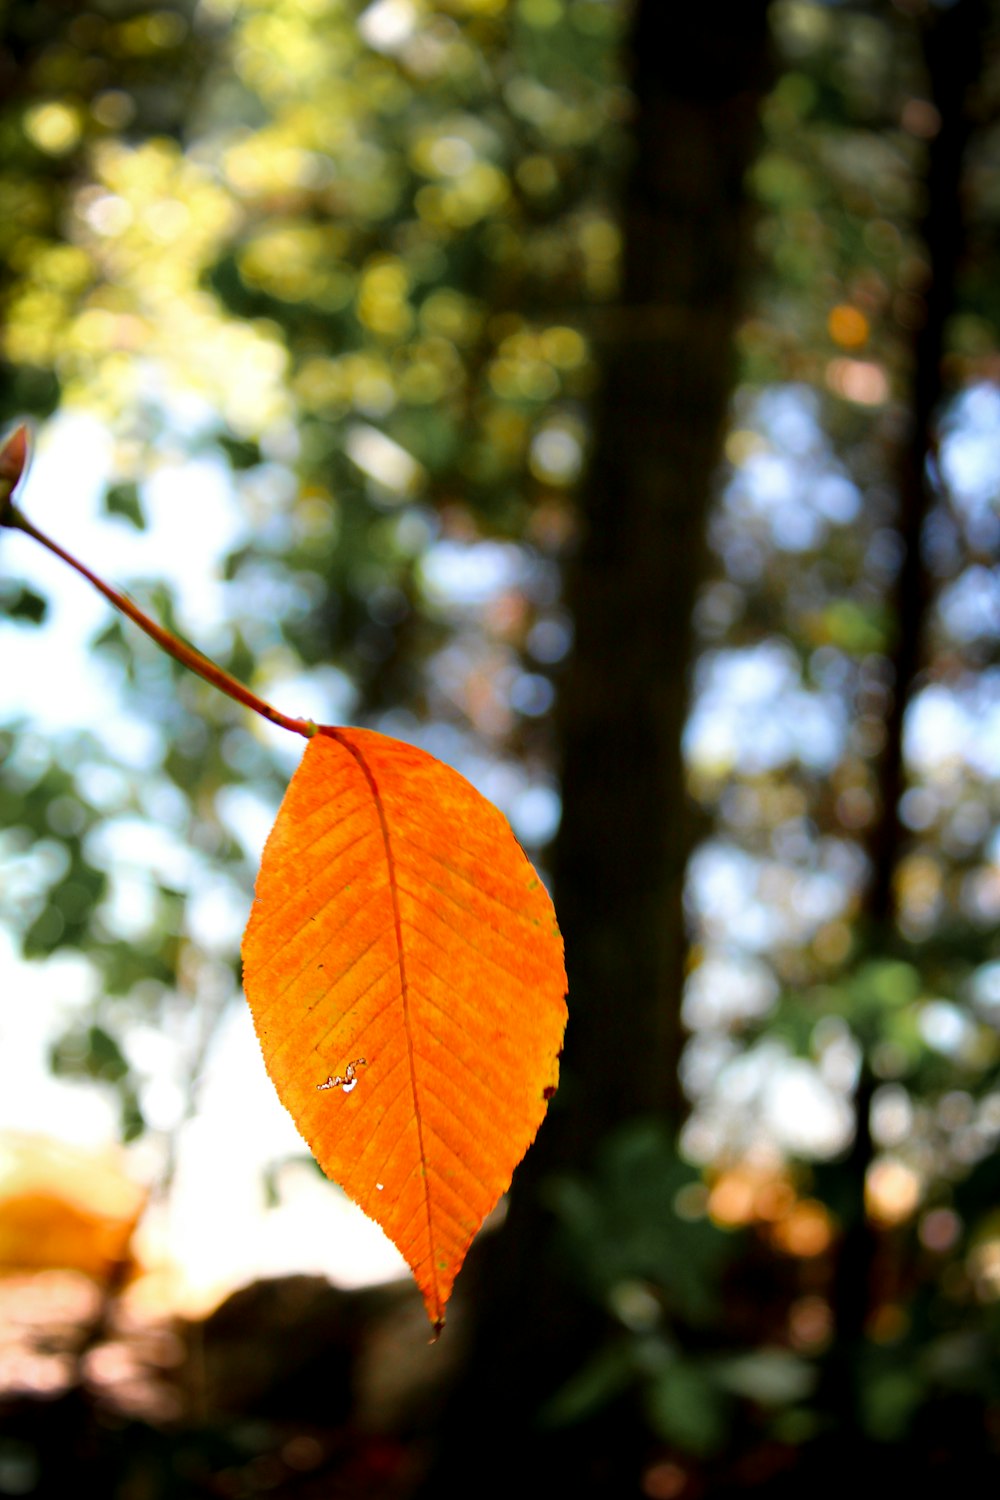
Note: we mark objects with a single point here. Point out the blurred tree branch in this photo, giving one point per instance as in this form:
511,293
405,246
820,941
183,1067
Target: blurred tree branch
952,40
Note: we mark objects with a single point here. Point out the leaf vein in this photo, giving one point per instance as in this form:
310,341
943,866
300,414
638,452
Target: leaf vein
462,937
316,954
273,911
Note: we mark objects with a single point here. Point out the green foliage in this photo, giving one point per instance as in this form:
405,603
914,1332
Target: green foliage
93,1053
630,1244
686,1407
19,602
123,500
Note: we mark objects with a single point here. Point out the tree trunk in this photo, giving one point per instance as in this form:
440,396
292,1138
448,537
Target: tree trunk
667,374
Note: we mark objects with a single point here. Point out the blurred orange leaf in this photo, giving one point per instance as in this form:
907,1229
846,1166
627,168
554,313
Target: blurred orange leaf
64,1207
405,974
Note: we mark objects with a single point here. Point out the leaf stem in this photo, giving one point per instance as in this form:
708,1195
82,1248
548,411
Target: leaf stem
178,649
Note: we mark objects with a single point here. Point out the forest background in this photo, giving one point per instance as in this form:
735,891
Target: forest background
603,396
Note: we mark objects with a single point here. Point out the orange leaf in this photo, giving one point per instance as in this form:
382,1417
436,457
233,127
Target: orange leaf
405,973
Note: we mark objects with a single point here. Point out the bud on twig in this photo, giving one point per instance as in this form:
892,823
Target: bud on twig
13,457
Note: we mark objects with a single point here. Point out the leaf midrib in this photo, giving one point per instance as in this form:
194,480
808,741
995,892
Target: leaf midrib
354,750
